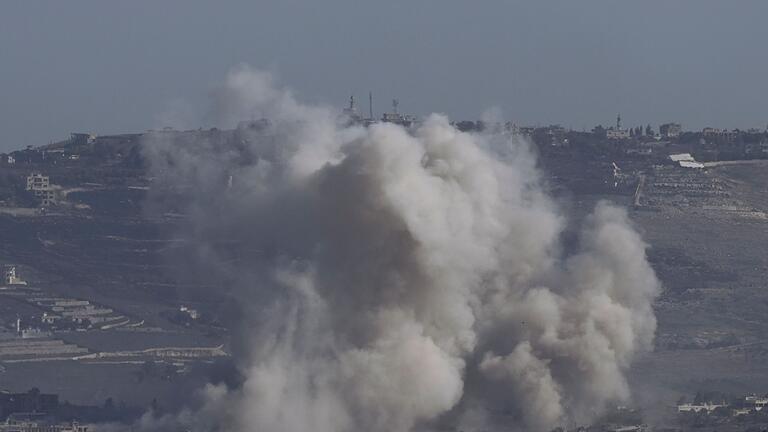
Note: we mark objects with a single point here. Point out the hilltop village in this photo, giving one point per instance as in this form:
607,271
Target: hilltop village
92,281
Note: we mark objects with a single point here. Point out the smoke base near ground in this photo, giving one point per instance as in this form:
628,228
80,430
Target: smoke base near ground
389,278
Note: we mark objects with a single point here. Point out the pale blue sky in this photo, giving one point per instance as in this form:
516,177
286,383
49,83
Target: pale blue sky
124,66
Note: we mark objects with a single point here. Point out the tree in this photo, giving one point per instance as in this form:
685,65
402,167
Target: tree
155,406
599,131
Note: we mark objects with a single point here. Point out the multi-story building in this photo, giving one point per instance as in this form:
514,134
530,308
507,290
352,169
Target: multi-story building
37,181
40,185
670,130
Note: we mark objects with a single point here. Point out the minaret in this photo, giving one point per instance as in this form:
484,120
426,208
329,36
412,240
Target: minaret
618,122
370,105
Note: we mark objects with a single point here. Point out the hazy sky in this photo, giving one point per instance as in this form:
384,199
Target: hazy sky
126,66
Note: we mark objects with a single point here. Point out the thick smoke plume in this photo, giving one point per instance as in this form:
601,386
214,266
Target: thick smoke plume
395,280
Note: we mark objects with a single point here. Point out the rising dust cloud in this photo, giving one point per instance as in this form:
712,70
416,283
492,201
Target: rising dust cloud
406,280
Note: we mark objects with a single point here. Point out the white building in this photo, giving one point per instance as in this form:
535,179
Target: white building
397,118
706,406
192,313
12,425
632,428
756,402
685,160
717,132
10,276
691,164
617,132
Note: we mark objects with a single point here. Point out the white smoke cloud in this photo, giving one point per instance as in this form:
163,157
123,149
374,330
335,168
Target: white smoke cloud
528,378
402,275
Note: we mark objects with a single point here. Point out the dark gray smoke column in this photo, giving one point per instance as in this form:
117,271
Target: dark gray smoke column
393,264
